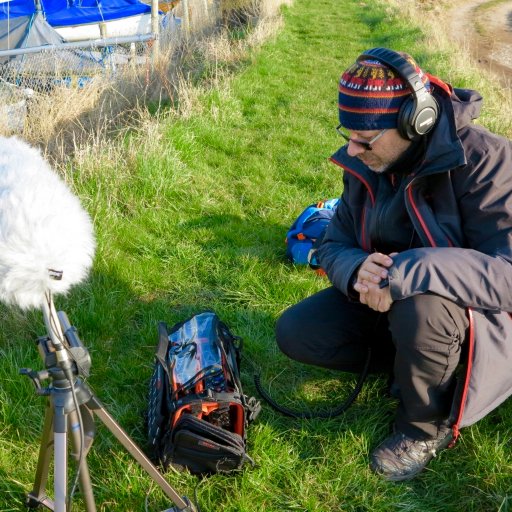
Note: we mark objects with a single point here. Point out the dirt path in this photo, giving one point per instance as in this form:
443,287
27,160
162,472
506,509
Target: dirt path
487,33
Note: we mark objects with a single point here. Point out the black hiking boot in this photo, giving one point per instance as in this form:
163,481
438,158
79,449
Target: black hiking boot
401,458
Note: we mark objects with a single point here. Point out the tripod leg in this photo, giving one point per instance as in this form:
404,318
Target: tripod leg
60,483
83,468
138,455
37,496
57,418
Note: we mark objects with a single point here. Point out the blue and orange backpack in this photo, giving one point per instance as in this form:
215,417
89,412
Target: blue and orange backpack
307,232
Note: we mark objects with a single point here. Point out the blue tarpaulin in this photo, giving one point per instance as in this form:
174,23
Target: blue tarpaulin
61,13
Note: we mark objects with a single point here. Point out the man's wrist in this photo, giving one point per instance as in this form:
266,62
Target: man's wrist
353,279
352,293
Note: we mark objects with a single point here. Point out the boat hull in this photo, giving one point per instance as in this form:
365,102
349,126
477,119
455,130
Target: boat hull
130,26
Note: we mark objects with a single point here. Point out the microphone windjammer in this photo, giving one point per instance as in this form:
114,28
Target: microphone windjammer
46,237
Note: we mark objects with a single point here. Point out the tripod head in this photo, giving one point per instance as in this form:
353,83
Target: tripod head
78,354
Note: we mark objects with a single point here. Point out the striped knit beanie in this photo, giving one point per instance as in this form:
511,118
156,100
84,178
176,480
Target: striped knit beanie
371,94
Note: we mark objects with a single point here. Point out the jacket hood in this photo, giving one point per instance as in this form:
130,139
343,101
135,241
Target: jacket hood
457,111
466,105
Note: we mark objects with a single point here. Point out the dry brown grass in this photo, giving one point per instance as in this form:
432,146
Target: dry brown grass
71,123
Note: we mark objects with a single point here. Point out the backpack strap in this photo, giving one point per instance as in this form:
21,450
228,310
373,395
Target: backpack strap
163,345
208,396
251,405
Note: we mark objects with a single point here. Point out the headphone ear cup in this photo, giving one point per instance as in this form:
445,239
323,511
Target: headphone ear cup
414,122
425,119
405,120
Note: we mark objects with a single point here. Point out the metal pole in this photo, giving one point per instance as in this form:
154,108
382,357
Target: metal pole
93,43
54,330
186,17
155,28
60,470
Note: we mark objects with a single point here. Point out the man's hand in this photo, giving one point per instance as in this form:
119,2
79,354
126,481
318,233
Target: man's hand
371,273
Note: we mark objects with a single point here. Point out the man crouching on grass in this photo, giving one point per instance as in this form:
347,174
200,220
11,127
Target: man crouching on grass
419,254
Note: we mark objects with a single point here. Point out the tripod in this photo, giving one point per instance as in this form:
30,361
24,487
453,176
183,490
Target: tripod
71,408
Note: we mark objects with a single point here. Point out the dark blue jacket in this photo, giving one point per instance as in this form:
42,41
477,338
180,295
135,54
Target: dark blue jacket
459,200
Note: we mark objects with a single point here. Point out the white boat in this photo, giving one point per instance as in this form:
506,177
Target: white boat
123,27
72,20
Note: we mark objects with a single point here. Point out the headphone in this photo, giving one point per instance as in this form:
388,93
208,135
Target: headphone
418,113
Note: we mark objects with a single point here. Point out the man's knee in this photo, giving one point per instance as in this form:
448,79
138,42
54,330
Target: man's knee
287,330
427,319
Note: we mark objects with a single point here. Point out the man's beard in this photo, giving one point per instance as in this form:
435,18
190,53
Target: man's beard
380,170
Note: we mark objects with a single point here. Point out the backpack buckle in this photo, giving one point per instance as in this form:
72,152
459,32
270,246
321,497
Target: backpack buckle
254,408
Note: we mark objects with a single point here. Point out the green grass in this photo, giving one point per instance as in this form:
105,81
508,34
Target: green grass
196,219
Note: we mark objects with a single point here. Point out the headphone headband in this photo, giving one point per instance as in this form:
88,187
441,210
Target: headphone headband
398,63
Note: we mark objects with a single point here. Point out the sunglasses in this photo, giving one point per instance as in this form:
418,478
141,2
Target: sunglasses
366,144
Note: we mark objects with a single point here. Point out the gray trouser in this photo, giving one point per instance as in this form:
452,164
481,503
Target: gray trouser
419,340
